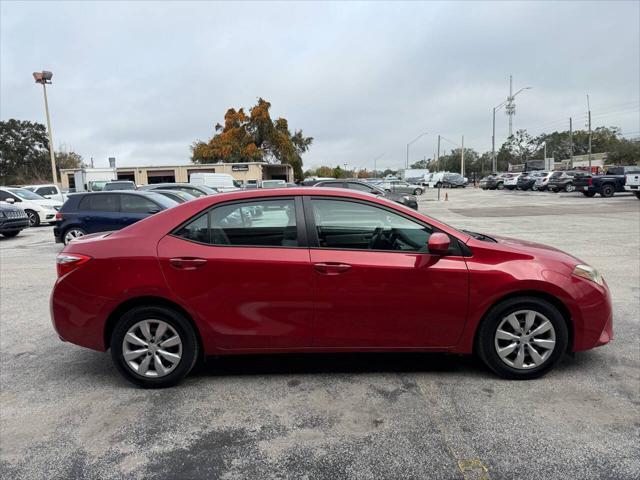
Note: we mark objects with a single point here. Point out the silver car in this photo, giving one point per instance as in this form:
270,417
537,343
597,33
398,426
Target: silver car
400,186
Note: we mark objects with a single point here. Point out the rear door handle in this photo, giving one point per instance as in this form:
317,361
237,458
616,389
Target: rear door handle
187,263
331,268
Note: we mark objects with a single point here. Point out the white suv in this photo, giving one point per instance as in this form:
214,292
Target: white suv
511,180
38,209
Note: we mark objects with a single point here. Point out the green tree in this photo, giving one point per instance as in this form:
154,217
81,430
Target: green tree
24,152
253,138
420,164
625,152
68,159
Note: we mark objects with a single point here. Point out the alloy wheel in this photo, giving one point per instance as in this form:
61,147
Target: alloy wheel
33,219
525,339
152,348
72,234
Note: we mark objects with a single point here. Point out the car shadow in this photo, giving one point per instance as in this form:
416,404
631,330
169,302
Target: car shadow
324,363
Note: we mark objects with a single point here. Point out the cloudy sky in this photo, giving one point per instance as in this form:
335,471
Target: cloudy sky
142,80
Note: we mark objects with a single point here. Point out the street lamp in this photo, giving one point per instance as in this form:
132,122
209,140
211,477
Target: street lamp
43,78
493,136
410,143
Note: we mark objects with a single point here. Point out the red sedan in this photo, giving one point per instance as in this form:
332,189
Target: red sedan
322,270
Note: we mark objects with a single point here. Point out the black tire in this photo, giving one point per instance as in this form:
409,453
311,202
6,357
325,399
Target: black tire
10,234
589,194
486,349
34,218
439,185
569,187
190,346
417,191
607,191
637,194
78,229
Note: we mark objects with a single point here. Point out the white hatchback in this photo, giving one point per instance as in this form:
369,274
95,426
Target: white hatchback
38,209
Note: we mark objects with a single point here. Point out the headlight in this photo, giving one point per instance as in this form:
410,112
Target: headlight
410,198
590,273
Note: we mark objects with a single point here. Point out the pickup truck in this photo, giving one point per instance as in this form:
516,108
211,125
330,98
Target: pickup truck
632,184
608,184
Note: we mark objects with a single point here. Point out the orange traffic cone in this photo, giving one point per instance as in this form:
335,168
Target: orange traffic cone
446,196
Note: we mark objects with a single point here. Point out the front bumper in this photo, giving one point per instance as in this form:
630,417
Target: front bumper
11,225
47,216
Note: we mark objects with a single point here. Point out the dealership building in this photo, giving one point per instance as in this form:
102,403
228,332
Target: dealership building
246,173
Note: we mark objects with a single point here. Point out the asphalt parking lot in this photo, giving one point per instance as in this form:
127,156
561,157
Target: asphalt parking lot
66,413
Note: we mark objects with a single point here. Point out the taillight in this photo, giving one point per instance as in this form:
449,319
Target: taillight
58,216
68,262
590,181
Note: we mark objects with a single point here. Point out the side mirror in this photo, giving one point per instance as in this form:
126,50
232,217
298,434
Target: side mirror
154,210
10,200
438,243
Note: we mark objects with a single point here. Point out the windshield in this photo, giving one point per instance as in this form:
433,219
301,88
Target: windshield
120,186
166,202
26,194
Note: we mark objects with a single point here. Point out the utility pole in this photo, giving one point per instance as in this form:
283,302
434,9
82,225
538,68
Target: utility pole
570,143
462,158
438,155
589,113
511,107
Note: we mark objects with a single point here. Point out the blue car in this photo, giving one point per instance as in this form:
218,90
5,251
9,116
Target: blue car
85,213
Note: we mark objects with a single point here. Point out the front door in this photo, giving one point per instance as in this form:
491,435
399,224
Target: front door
377,286
243,268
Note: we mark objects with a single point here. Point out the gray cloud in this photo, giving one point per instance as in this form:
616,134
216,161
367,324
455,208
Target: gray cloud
143,80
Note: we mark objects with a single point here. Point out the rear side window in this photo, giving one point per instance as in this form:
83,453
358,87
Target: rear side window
360,187
264,223
42,191
100,203
137,204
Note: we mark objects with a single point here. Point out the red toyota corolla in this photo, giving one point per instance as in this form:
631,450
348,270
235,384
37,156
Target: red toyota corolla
322,270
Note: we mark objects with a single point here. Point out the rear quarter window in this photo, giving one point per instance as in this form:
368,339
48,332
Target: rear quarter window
100,203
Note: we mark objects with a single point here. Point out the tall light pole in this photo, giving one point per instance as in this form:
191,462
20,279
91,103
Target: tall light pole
412,142
511,110
44,77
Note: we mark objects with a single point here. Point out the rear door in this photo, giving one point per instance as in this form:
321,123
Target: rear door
243,267
134,208
99,212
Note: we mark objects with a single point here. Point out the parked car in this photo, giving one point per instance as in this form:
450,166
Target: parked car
175,195
400,186
311,181
195,190
407,200
527,180
273,184
567,180
454,180
632,184
511,180
38,209
222,182
119,185
542,182
12,220
93,212
608,184
492,182
322,269
50,191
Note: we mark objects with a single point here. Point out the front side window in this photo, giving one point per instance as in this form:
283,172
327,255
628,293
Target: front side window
137,204
46,191
360,187
263,223
351,225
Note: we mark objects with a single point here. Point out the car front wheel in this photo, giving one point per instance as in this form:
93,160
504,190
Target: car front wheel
154,347
522,338
10,234
34,218
417,191
569,187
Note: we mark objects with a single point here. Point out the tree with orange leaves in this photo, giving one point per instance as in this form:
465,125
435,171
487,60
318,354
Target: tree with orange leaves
253,138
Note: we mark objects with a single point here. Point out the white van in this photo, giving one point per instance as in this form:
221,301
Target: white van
223,182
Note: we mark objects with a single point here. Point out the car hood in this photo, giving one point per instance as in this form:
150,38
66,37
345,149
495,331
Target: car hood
535,249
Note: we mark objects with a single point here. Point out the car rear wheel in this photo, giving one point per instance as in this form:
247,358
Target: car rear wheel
637,194
439,185
154,347
417,191
10,234
569,187
607,191
34,218
522,338
72,233
589,194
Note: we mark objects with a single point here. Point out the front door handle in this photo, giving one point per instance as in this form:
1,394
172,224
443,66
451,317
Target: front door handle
331,268
187,263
